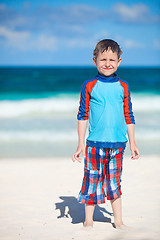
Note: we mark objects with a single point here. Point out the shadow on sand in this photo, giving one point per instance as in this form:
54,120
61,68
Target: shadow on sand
71,207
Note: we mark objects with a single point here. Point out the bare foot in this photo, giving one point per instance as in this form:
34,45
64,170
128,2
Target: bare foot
88,224
123,227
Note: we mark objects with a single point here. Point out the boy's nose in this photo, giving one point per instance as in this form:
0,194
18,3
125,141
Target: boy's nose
107,63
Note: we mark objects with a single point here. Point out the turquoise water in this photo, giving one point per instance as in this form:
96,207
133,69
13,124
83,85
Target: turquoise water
40,82
39,107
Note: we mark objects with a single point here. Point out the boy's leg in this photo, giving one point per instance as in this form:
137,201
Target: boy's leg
89,209
114,171
91,192
117,211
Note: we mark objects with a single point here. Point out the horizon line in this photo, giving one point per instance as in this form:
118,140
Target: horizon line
80,66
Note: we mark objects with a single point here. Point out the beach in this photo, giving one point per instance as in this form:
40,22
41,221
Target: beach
64,61
38,201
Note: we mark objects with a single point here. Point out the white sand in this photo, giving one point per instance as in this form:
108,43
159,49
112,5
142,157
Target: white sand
30,191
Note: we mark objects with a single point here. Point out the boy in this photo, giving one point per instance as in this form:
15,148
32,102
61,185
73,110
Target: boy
105,101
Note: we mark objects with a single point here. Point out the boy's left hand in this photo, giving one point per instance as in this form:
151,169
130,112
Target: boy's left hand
135,154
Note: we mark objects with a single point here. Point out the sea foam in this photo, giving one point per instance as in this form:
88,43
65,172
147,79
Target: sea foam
52,106
32,107
38,136
65,136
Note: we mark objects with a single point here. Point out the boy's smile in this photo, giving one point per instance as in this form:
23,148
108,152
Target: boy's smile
107,63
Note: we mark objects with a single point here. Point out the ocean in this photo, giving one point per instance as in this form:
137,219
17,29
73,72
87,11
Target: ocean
38,108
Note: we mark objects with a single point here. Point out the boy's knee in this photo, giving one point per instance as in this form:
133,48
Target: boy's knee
113,194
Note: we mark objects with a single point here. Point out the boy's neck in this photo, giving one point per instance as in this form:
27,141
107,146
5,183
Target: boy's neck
108,79
112,75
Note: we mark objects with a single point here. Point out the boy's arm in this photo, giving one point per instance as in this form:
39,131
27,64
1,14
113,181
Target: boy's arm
82,124
134,149
129,117
83,115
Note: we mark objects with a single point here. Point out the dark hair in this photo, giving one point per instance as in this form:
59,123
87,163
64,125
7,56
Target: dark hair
106,44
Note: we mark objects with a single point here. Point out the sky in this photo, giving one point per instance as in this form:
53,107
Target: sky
65,32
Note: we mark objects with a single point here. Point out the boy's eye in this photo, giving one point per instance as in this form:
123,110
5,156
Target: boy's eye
109,60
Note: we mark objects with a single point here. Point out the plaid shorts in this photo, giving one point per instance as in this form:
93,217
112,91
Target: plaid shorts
102,175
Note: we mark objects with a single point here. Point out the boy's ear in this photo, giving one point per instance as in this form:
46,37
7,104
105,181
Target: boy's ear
95,62
119,61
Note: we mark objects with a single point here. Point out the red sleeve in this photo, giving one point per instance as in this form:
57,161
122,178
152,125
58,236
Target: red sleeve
128,113
83,113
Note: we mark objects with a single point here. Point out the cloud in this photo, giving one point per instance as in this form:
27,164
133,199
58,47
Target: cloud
72,19
13,35
47,28
48,17
137,13
43,42
9,17
72,14
128,43
24,40
157,44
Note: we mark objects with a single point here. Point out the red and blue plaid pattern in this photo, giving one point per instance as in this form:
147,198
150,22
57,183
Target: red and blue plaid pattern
102,175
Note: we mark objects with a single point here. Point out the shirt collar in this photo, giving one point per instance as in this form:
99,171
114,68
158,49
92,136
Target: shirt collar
107,79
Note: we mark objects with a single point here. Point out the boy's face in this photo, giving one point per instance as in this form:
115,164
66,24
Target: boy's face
107,63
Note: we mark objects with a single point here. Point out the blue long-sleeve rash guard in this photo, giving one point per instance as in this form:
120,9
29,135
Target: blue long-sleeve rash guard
106,102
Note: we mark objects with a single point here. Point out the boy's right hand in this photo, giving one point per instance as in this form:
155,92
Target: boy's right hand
75,156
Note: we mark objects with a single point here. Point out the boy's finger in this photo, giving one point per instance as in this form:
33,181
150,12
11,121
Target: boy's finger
73,158
132,154
79,160
136,155
76,157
